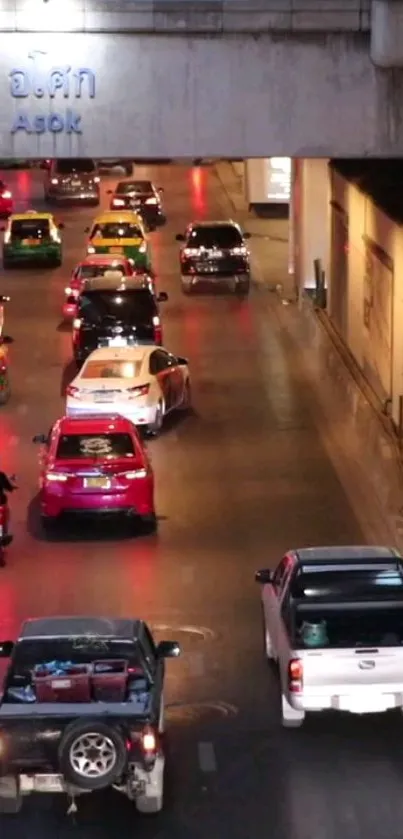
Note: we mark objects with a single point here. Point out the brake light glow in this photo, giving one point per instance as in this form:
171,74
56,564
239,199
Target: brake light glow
7,237
55,181
156,321
6,194
295,675
151,201
140,390
90,249
118,202
239,251
73,391
135,474
143,248
149,742
97,179
76,323
190,251
71,292
54,477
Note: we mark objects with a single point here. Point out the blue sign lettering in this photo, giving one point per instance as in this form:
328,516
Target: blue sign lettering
67,123
62,81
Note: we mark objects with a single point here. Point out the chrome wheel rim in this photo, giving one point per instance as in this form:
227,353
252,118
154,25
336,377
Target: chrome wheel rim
92,755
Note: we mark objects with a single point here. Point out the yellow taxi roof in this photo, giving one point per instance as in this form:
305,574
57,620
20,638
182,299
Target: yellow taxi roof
30,214
116,216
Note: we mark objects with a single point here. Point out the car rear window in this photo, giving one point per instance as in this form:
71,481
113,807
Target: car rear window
69,166
134,188
88,272
111,369
105,446
219,237
124,230
136,306
35,229
83,650
332,629
333,586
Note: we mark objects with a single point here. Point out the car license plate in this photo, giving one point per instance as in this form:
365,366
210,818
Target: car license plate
103,398
116,250
30,242
117,342
48,783
97,483
205,269
75,183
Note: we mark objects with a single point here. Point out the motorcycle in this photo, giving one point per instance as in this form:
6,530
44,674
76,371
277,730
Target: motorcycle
5,537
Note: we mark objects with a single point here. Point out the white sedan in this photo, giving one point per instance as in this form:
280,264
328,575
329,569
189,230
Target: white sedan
140,383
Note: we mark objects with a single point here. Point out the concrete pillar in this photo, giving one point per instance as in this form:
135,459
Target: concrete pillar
387,33
311,213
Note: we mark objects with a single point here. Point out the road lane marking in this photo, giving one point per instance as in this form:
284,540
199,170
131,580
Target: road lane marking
207,760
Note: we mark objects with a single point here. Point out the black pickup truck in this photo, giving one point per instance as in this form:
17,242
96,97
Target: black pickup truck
82,709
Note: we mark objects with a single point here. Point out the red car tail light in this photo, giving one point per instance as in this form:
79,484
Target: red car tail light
6,194
149,742
295,675
118,202
157,330
140,390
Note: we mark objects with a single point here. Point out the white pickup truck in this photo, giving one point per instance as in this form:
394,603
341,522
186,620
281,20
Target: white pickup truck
333,622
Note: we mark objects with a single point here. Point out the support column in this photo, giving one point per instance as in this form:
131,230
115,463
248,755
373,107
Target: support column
311,213
387,33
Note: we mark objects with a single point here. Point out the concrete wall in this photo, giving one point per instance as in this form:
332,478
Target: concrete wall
310,220
373,292
197,96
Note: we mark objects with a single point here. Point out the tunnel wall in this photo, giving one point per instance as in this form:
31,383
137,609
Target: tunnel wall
367,285
195,96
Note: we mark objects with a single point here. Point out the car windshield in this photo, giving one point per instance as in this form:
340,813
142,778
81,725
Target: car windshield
80,165
136,306
88,272
105,446
111,369
114,230
215,237
30,229
134,188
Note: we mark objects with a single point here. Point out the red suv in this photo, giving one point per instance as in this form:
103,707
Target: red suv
92,266
95,465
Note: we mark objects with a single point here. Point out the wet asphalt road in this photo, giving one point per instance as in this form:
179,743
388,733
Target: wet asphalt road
238,482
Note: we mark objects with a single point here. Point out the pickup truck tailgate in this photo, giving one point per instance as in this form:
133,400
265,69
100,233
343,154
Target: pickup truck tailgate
361,680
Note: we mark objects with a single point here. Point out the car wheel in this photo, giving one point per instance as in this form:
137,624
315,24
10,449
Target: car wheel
129,169
243,287
155,427
49,524
10,795
187,397
92,755
150,522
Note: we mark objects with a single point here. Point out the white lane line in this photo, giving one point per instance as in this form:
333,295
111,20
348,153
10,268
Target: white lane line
207,760
196,664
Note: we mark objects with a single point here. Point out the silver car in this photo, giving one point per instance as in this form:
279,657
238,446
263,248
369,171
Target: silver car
72,181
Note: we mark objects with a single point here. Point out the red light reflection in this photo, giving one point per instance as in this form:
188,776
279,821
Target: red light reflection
198,190
24,186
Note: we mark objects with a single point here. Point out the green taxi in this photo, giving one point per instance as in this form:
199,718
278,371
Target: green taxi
122,234
32,237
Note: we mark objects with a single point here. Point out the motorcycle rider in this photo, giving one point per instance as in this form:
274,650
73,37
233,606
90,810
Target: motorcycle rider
6,485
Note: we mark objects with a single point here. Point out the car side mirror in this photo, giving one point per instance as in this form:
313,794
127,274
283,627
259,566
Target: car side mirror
162,297
86,229
247,235
61,226
6,339
40,438
6,649
180,237
264,576
168,649
182,361
109,191
161,189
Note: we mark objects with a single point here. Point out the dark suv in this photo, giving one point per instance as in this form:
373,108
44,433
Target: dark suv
72,181
116,312
214,252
